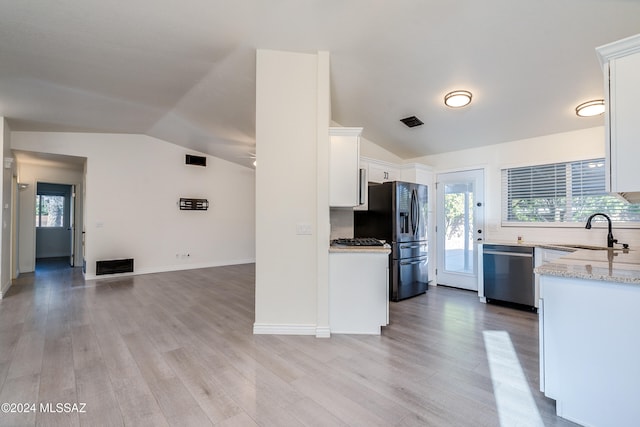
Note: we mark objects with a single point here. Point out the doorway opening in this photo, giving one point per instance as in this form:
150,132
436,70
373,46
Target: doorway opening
48,215
54,222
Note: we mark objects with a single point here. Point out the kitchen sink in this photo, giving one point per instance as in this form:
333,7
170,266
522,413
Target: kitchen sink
594,248
589,247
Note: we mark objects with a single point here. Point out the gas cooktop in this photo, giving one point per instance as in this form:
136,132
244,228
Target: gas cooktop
357,241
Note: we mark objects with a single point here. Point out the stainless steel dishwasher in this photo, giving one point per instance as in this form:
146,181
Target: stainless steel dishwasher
508,274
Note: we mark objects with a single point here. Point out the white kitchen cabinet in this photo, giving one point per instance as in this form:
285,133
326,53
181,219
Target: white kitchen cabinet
417,173
544,255
358,291
621,66
344,167
590,349
380,172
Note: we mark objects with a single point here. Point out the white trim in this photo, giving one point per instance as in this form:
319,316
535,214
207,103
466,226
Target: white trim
483,166
379,162
345,131
373,331
5,289
618,49
532,224
422,166
283,329
323,332
164,269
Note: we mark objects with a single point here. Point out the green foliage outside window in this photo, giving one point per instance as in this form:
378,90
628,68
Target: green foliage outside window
49,211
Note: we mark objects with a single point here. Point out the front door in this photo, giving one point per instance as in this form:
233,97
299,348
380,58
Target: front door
460,208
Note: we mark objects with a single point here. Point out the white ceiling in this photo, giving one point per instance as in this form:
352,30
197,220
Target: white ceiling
184,71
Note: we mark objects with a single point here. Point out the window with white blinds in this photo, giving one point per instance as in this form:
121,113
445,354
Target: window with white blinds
561,193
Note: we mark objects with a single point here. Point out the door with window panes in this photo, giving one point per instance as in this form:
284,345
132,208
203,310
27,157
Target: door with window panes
460,207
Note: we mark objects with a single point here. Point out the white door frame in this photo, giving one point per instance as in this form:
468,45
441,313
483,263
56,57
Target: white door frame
464,280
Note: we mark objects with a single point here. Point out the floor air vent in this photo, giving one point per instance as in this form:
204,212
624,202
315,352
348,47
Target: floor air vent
114,266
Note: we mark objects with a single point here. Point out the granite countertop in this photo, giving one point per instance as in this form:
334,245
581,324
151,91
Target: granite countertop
611,265
588,262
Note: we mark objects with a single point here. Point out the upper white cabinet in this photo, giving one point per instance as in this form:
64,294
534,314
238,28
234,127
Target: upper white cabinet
417,173
621,66
380,172
344,167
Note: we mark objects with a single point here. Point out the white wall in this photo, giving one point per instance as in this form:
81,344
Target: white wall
290,186
6,209
371,150
133,184
31,173
576,145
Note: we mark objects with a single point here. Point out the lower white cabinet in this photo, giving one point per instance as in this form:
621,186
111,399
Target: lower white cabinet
590,349
358,291
541,256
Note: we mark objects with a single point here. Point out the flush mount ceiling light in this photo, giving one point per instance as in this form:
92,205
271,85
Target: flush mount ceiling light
590,108
457,98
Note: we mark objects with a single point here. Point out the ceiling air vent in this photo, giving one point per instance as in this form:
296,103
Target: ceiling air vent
190,159
412,121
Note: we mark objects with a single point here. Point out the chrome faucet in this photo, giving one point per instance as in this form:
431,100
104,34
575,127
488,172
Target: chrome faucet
610,239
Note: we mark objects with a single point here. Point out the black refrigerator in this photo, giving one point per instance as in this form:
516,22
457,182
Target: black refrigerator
398,214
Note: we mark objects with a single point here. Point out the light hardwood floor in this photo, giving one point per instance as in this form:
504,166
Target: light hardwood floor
177,349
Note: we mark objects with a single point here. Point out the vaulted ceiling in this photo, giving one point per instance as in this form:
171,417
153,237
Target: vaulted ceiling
184,71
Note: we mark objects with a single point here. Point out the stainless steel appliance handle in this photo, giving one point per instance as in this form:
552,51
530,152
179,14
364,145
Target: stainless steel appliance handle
362,186
508,253
414,215
420,261
413,262
410,246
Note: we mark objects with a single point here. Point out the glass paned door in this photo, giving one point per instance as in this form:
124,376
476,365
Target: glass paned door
460,217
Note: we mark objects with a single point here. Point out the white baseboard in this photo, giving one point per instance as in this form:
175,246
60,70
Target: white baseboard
167,268
359,332
5,289
273,329
323,332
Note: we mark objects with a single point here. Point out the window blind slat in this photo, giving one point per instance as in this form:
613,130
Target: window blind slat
561,192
